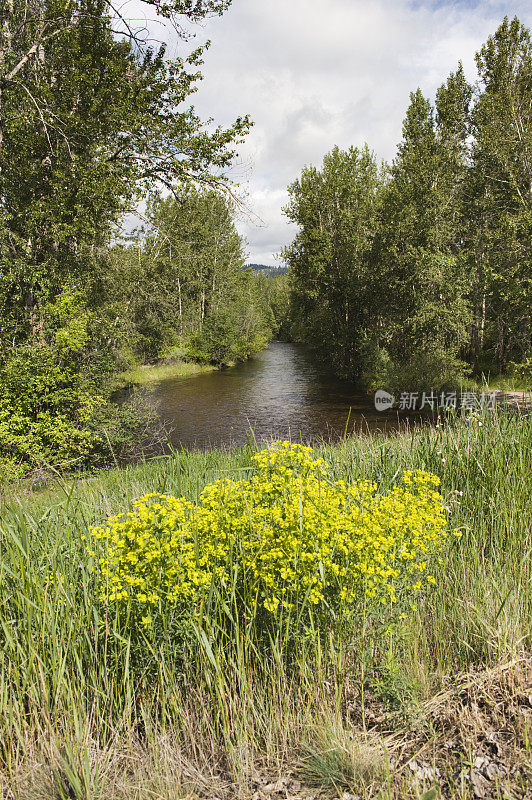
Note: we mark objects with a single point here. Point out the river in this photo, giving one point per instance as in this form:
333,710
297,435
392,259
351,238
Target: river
283,392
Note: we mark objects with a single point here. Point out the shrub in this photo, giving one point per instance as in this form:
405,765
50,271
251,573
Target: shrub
521,370
286,542
11,470
376,367
46,406
433,367
54,408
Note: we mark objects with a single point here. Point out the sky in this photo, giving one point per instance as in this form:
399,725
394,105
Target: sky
317,74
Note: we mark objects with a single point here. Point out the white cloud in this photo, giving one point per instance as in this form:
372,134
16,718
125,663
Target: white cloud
314,74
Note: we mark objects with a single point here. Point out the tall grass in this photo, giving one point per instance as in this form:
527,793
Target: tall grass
88,712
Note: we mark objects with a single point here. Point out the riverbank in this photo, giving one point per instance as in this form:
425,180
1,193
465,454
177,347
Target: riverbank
499,383
150,373
440,703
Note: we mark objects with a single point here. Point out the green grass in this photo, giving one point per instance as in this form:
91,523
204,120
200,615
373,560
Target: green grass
88,712
151,373
498,383
510,384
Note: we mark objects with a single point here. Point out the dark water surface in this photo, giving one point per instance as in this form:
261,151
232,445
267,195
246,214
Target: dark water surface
284,392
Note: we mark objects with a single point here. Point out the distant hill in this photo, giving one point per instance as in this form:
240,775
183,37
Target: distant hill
268,272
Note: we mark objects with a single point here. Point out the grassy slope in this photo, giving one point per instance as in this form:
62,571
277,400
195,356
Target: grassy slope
498,383
160,372
69,719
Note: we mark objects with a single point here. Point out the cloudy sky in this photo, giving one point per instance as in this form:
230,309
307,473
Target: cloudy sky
313,74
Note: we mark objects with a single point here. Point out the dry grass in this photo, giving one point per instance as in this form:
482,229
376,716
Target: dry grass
471,740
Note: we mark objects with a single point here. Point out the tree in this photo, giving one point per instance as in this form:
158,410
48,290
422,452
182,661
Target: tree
499,198
91,120
88,122
433,264
186,288
335,210
419,309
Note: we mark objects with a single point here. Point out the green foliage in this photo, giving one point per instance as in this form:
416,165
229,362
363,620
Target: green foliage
52,408
186,287
522,370
433,366
335,210
11,470
90,122
376,367
47,400
220,340
67,320
274,292
411,280
417,296
498,200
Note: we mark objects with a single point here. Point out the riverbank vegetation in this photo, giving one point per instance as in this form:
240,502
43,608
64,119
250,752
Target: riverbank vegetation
150,373
92,122
414,274
184,285
244,697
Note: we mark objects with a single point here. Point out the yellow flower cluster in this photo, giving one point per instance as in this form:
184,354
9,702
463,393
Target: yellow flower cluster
287,537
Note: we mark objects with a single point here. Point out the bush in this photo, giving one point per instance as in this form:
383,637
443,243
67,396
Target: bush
522,371
285,543
435,367
54,407
222,339
431,368
46,406
11,471
376,368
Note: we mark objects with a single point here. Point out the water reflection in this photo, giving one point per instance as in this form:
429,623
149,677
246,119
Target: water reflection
284,392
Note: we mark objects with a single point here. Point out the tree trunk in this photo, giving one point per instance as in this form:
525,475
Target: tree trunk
180,307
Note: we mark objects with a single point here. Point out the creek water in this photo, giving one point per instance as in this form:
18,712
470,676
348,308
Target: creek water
284,392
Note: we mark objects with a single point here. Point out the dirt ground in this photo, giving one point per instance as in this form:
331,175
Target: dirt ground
472,740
